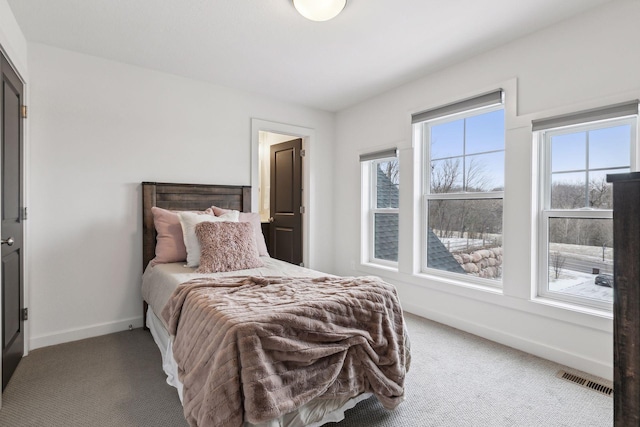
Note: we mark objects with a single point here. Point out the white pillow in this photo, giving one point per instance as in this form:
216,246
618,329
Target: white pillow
188,221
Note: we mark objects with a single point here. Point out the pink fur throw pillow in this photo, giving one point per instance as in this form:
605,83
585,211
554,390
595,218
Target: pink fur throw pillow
169,240
254,219
227,246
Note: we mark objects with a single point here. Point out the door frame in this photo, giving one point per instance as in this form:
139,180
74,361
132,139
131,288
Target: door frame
308,138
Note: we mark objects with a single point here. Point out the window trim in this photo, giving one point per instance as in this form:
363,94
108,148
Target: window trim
422,134
546,213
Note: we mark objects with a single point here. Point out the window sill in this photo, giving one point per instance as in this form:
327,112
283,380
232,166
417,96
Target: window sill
429,281
575,308
552,309
470,283
372,268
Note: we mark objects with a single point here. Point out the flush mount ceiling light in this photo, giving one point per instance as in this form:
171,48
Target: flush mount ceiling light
319,10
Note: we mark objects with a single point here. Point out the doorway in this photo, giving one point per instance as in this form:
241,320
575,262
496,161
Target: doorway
308,135
280,192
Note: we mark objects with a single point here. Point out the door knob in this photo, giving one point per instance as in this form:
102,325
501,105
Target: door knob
9,241
271,219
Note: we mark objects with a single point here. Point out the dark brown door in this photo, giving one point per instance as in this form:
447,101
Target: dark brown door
286,202
12,254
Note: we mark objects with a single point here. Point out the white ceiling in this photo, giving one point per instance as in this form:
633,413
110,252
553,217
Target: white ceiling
266,47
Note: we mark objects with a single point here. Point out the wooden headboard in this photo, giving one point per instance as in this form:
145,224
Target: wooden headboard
186,197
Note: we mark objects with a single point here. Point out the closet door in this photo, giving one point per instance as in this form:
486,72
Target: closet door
11,133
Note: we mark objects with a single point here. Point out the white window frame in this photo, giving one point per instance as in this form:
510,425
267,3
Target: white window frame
546,213
423,132
370,209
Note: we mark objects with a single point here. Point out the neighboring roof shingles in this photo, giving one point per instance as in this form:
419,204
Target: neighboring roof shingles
386,227
439,257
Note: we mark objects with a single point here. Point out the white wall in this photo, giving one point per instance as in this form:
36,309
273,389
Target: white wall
99,128
585,62
12,40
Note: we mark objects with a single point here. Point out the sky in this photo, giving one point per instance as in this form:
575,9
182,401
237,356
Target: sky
600,151
607,148
477,137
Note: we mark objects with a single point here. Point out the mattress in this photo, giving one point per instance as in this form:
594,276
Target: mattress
159,282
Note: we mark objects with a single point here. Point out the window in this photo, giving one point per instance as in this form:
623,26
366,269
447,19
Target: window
381,182
576,220
463,188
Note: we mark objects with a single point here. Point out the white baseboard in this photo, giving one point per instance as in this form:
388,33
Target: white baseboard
82,333
558,355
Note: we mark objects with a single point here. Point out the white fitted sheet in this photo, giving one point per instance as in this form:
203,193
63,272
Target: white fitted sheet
158,283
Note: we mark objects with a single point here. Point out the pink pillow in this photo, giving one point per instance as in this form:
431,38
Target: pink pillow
226,246
254,219
169,241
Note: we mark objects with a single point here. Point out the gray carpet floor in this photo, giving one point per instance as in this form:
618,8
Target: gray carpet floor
456,379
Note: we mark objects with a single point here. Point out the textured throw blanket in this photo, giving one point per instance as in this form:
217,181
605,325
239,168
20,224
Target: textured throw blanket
255,348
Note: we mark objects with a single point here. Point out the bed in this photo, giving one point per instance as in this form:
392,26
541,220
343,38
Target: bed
241,355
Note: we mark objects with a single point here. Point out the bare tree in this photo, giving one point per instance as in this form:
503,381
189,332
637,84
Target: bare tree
476,177
557,263
462,218
600,195
392,170
580,231
445,176
567,195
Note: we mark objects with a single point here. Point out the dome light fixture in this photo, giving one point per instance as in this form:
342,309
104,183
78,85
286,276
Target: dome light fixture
319,10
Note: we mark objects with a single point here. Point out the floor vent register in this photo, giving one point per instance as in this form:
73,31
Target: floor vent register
601,387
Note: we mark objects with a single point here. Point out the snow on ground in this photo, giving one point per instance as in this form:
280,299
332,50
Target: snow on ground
579,284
